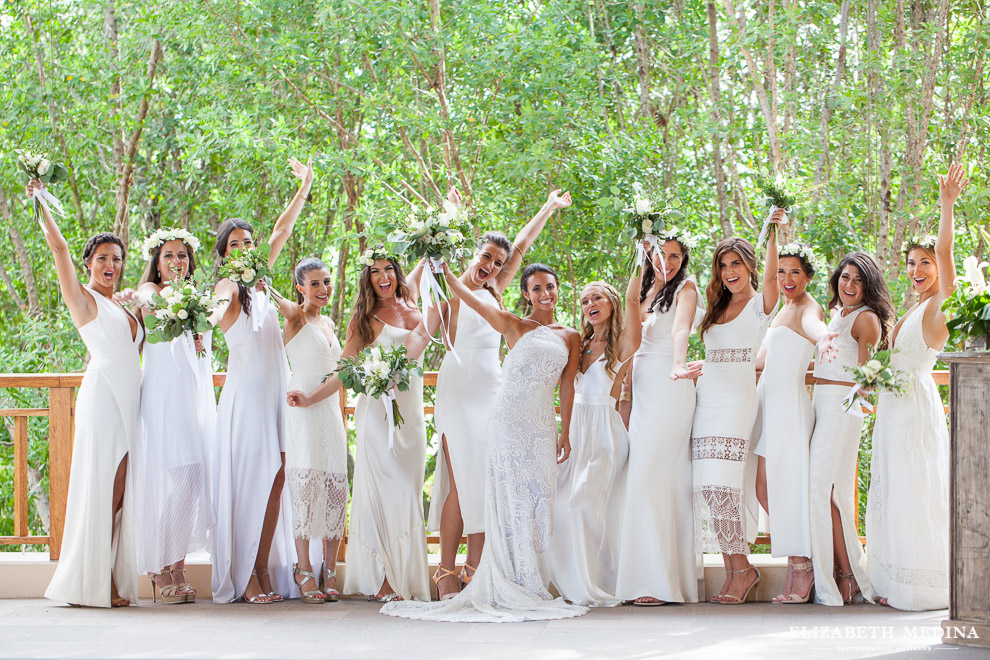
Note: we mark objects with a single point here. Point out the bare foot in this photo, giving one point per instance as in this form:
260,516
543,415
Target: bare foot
115,599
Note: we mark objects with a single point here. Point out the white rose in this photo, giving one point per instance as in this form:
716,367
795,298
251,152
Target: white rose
183,314
647,226
43,166
382,370
643,206
248,274
430,221
444,220
367,370
376,354
166,292
869,372
874,365
235,278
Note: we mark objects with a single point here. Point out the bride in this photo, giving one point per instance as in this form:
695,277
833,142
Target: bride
511,582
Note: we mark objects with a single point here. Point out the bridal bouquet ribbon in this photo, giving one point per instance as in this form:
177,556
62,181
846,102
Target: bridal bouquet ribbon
176,310
441,235
248,267
40,166
380,373
646,221
777,197
875,375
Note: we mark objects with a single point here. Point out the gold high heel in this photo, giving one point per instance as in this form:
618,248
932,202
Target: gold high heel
852,596
465,578
729,599
441,574
186,589
170,592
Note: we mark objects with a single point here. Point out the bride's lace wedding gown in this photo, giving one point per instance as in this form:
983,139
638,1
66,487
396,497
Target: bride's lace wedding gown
511,582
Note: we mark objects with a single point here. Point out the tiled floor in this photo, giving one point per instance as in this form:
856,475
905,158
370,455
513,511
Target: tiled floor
353,628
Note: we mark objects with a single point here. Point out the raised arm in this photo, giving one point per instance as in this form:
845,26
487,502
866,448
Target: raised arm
771,288
680,333
506,323
950,186
413,278
567,393
633,335
81,305
286,221
528,234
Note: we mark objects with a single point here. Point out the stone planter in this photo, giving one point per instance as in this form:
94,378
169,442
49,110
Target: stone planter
969,499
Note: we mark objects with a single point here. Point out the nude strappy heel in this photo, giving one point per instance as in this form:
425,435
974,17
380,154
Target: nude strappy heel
440,574
794,598
315,597
170,592
729,599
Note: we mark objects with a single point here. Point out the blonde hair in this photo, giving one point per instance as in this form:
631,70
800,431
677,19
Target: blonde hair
616,325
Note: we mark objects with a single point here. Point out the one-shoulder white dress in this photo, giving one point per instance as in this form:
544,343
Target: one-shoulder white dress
106,421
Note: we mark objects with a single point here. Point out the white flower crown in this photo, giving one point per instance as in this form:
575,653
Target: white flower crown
372,254
801,251
164,235
681,236
927,241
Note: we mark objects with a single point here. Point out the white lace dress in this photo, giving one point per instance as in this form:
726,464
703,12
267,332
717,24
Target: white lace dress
785,424
657,556
316,444
907,511
464,395
723,466
106,419
512,578
170,459
587,515
834,454
387,536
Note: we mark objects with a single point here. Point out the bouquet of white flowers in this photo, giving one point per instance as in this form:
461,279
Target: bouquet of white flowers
247,267
378,373
875,375
439,234
178,309
647,217
40,166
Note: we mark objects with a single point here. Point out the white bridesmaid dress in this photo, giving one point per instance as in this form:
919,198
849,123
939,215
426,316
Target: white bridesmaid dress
316,443
657,555
249,440
106,418
464,395
387,537
907,510
724,471
514,573
170,460
587,515
785,424
834,454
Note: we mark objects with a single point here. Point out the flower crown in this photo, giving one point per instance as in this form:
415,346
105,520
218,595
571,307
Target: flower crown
164,235
927,242
802,252
681,236
372,254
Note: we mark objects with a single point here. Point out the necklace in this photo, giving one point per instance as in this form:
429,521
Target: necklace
850,310
590,342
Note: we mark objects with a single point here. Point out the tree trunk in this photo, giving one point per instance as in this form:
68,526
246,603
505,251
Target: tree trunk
23,259
713,89
828,102
642,46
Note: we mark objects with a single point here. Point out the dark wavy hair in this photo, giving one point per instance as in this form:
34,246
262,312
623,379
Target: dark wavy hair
223,237
716,293
364,305
665,296
531,270
153,272
102,239
876,294
303,267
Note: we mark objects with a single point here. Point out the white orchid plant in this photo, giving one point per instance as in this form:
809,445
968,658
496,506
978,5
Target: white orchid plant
969,304
647,216
180,308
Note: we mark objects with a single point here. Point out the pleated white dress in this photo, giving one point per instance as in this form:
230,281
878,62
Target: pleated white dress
785,424
249,439
316,443
387,537
834,454
514,573
907,510
657,555
723,466
587,515
106,419
170,460
464,395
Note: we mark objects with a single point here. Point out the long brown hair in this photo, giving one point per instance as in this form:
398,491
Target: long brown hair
665,296
616,325
364,305
717,294
223,237
876,294
499,240
153,272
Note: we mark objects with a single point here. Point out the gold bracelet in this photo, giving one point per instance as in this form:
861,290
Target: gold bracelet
625,395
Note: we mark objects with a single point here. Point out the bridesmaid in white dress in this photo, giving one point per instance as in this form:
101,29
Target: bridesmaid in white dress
658,562
587,516
178,417
514,573
861,312
787,419
97,566
465,392
253,540
316,442
724,473
387,540
907,510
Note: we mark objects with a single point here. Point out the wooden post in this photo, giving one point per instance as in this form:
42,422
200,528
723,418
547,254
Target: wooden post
60,400
20,477
969,500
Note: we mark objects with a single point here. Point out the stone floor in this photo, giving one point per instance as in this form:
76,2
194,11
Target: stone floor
352,628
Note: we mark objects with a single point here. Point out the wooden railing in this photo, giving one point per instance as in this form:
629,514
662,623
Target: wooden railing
60,413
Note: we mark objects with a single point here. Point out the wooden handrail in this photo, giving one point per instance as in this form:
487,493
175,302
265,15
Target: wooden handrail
60,413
